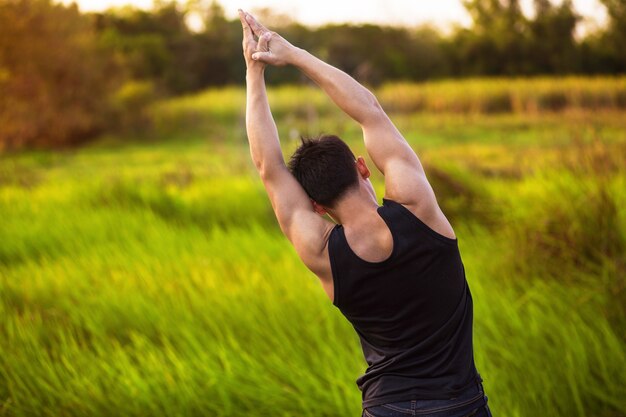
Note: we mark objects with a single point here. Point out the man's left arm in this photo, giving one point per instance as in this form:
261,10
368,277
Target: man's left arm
306,230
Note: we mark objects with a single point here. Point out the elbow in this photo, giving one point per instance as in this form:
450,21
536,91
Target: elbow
373,110
264,174
373,101
375,105
267,163
261,168
259,164
266,170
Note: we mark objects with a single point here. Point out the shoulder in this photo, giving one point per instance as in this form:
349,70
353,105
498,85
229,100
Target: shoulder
316,257
313,250
426,215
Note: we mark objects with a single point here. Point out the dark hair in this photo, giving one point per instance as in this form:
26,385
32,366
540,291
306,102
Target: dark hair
325,167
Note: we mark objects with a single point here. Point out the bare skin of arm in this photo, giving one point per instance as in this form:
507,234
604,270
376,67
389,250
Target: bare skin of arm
306,230
405,179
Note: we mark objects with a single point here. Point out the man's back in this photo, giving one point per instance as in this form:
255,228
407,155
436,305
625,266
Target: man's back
412,311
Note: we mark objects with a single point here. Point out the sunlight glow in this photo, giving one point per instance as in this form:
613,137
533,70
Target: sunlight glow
441,13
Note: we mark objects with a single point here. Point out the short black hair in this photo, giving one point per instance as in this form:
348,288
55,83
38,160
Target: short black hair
325,167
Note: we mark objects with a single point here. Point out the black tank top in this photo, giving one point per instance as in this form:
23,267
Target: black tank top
412,311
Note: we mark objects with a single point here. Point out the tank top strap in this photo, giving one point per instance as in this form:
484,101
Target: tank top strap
403,219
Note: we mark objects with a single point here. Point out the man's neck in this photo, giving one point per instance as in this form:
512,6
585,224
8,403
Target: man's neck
355,209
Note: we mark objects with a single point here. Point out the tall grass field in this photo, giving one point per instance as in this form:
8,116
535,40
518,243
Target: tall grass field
145,275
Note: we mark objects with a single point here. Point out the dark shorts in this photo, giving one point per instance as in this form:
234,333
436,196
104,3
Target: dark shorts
470,403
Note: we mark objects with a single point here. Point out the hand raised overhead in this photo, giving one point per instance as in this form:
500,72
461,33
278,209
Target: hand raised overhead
251,44
270,48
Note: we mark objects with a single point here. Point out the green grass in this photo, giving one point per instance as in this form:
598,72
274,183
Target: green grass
150,278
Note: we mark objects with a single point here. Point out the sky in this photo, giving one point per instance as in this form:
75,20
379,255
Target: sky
441,13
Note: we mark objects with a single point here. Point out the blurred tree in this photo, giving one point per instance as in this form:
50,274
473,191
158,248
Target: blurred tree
222,61
60,78
158,45
616,32
503,41
52,75
378,53
427,55
146,42
552,47
602,52
496,42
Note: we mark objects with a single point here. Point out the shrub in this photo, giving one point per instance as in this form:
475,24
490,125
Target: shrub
52,77
129,106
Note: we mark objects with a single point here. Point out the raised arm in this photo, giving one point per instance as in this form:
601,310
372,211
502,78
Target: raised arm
384,143
405,179
307,231
262,133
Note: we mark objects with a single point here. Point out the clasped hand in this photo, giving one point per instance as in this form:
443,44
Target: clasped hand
262,46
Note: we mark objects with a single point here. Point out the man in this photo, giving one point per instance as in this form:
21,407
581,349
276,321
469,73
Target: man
394,271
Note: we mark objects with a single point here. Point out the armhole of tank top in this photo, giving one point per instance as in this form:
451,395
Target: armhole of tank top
333,266
423,226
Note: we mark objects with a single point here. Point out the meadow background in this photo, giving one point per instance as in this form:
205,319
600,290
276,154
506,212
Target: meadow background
142,271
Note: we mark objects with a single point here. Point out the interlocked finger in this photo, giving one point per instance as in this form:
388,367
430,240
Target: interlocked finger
263,45
256,27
